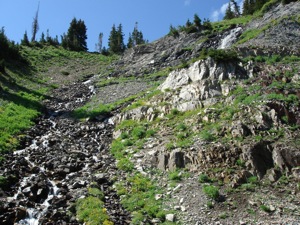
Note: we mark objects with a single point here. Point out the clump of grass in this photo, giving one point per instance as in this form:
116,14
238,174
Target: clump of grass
125,164
175,175
138,132
91,209
240,163
203,178
181,127
211,191
139,198
265,208
223,215
15,118
207,135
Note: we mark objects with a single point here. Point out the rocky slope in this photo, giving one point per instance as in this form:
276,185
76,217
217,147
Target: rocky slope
217,142
235,123
59,159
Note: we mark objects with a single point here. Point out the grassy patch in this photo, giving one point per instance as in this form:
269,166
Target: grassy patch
90,209
226,24
265,208
140,199
14,118
211,191
203,178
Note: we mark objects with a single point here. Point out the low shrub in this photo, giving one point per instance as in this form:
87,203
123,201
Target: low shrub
211,191
203,178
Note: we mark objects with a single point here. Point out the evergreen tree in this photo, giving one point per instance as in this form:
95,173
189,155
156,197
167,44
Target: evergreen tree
207,24
236,8
35,25
116,40
8,49
188,23
251,6
25,40
197,22
136,38
43,40
130,41
173,31
229,14
120,38
246,7
75,39
4,44
112,40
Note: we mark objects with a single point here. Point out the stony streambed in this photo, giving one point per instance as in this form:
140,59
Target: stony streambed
59,158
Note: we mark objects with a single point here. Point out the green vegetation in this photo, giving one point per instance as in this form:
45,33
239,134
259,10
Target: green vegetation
75,39
265,208
223,25
90,209
26,81
203,178
175,175
211,191
219,55
140,198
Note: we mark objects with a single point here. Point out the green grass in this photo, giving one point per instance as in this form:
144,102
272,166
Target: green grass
250,34
265,208
226,24
14,118
139,198
125,164
203,178
207,135
175,175
91,211
211,191
25,83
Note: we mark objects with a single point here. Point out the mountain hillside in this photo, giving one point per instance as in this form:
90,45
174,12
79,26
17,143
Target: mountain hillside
193,128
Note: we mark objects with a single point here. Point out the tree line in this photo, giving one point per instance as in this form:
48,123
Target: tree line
197,25
76,36
249,7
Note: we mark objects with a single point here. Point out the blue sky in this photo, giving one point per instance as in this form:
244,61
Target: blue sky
154,17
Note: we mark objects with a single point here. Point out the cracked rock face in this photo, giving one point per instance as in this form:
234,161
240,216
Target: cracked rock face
201,81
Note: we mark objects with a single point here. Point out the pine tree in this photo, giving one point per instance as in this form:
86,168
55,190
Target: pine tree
130,41
188,23
207,24
75,39
25,40
43,40
246,7
35,25
229,14
112,40
8,49
137,37
197,22
173,31
236,8
4,43
120,39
